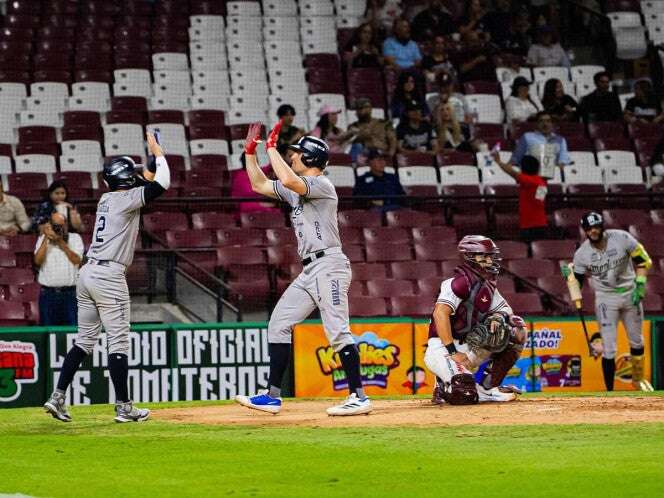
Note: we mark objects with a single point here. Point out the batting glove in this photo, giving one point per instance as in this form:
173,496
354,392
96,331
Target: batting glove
273,137
640,289
253,139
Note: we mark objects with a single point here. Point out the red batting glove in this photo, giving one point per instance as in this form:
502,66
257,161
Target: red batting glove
273,137
253,139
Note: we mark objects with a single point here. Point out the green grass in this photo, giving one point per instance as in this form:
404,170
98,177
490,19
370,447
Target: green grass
94,457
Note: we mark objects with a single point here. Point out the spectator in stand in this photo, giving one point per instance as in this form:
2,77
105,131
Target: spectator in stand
13,218
58,255
450,134
657,162
520,106
435,20
645,105
370,133
327,129
557,103
533,223
437,61
241,186
476,61
601,104
497,22
382,13
399,49
414,133
377,182
290,134
405,93
364,48
518,39
447,95
56,201
472,20
549,149
547,51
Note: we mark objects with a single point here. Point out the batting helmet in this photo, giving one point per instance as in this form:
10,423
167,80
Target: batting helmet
315,152
120,173
472,246
592,219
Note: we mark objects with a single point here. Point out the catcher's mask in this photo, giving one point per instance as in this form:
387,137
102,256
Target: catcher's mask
481,253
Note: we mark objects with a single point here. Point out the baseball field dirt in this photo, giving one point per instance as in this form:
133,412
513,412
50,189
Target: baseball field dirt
420,412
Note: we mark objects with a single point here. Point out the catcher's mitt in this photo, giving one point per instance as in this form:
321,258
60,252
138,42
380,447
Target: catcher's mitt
493,335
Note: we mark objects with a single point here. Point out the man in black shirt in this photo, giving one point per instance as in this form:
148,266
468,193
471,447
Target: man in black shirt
377,182
413,132
432,21
602,104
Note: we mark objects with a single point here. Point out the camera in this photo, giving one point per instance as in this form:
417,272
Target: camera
59,230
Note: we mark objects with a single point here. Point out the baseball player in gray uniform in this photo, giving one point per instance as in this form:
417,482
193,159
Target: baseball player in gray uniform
326,276
610,258
101,291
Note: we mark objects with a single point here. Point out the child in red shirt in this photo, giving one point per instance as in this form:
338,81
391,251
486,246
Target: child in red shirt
532,196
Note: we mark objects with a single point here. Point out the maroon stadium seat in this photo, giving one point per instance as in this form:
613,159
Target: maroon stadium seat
450,157
553,249
388,252
7,258
215,220
568,219
126,116
282,255
411,306
351,235
211,131
176,117
205,117
36,134
359,218
354,252
24,292
511,249
82,118
340,159
606,129
161,221
405,159
413,270
470,223
525,303
436,251
49,149
389,287
357,289
240,236
16,276
429,287
189,238
554,284
652,303
212,162
623,218
240,255
12,314
264,220
531,268
408,218
479,86
367,271
387,235
367,306
617,142
27,182
204,178
434,234
129,104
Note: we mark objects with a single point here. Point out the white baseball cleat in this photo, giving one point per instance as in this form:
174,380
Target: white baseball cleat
494,395
351,406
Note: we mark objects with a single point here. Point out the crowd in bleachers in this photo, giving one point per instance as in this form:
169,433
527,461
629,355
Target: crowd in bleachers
412,96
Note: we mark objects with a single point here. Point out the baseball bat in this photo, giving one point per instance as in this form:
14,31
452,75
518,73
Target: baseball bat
157,135
576,296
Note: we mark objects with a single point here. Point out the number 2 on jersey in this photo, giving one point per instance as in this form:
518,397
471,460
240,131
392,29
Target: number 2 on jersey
100,228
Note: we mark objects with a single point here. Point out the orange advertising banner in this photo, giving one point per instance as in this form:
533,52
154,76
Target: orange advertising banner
562,361
386,359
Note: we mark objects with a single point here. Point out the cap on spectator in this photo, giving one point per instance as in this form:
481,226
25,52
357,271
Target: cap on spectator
361,103
412,105
374,153
327,109
444,78
520,81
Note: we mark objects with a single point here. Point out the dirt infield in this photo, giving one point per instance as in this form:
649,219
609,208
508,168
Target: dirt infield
419,412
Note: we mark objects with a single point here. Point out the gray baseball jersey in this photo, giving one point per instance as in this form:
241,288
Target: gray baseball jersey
314,215
116,226
324,282
611,268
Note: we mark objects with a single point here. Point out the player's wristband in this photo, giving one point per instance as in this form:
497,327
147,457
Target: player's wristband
250,149
451,348
641,279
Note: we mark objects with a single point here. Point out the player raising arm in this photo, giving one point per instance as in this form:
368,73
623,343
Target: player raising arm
326,273
101,291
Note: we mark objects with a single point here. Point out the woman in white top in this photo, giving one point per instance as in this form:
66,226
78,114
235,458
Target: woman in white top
520,106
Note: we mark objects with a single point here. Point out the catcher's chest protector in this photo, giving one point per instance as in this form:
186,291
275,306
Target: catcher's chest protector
476,294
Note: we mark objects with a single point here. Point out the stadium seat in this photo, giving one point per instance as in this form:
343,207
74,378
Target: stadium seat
412,270
530,268
553,249
424,235
359,218
418,306
162,221
389,287
623,218
231,236
388,252
525,303
190,239
210,219
436,251
367,306
387,235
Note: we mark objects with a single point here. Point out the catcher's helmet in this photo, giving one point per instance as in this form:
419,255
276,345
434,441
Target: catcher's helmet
478,245
315,152
120,173
592,219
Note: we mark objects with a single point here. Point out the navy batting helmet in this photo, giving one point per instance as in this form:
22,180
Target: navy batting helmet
315,152
120,173
592,219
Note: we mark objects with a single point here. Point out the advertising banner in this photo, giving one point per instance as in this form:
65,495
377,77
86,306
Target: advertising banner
562,362
386,359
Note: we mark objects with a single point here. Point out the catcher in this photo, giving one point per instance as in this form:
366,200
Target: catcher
471,324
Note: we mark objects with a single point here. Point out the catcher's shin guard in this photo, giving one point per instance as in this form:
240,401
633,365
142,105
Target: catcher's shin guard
461,390
638,381
499,365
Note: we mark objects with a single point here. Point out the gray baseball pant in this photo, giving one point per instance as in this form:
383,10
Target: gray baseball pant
103,299
322,284
612,307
